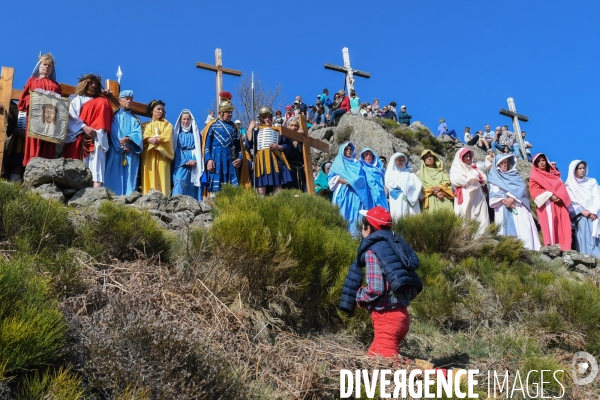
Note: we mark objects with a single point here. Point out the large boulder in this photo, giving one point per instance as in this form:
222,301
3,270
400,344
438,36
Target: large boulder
65,173
360,131
50,191
89,196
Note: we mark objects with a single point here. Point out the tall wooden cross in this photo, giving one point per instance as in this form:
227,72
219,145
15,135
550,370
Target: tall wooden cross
7,93
516,117
306,142
218,68
347,69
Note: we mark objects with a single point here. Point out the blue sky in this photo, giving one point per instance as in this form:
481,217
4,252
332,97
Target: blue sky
459,60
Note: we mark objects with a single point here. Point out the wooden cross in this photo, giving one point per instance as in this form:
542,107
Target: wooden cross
516,117
7,93
218,68
307,142
347,69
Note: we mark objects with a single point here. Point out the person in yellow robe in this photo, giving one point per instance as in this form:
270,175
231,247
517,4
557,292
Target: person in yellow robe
158,150
436,190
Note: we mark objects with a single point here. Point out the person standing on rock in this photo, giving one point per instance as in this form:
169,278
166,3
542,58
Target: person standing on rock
126,145
585,194
404,187
187,165
468,180
552,201
404,117
90,120
510,201
43,77
222,149
158,150
375,174
348,182
271,167
391,282
436,191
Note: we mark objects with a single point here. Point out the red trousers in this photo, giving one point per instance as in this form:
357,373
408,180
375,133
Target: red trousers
390,328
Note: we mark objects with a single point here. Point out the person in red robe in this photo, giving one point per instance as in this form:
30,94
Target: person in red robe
90,118
43,77
552,201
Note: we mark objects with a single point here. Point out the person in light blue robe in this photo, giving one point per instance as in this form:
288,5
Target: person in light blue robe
126,145
348,183
585,197
375,174
187,165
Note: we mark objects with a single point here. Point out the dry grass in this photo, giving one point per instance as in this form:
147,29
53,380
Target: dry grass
136,307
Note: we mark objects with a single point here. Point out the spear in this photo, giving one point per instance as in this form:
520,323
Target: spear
253,136
119,75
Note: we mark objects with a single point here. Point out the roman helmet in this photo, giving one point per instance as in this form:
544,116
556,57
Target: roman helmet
264,110
225,104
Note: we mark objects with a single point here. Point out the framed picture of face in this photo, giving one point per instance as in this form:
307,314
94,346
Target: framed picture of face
48,117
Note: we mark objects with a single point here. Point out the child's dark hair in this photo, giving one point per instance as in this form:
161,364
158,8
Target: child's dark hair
365,223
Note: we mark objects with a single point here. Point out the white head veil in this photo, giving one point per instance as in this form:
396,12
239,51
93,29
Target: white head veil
198,170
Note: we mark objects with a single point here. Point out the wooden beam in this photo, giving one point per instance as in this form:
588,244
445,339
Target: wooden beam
334,67
511,114
6,83
362,74
226,71
307,157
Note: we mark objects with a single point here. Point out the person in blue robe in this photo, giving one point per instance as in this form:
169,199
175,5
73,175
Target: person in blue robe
221,149
126,145
585,197
375,174
348,183
187,165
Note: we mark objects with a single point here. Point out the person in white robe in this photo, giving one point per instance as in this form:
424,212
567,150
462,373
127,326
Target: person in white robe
585,196
509,199
403,186
469,199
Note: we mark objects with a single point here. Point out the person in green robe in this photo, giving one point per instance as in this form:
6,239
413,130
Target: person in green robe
437,191
321,183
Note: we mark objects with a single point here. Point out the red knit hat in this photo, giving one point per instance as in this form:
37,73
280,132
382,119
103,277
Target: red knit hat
378,217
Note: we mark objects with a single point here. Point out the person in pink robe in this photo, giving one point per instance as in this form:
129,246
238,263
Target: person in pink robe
552,202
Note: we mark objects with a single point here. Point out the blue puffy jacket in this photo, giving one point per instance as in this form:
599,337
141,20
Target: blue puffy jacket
398,261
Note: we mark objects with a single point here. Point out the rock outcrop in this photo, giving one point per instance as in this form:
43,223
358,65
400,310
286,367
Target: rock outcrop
65,173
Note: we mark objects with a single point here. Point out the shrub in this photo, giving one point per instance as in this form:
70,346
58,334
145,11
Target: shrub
121,232
434,232
33,224
32,330
61,384
290,249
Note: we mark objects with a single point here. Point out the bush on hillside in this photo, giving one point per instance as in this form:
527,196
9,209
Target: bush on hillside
61,384
420,139
123,232
33,224
32,330
288,250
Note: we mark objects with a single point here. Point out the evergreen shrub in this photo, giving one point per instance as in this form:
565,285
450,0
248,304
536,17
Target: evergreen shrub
32,330
290,248
61,384
434,232
33,224
122,232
